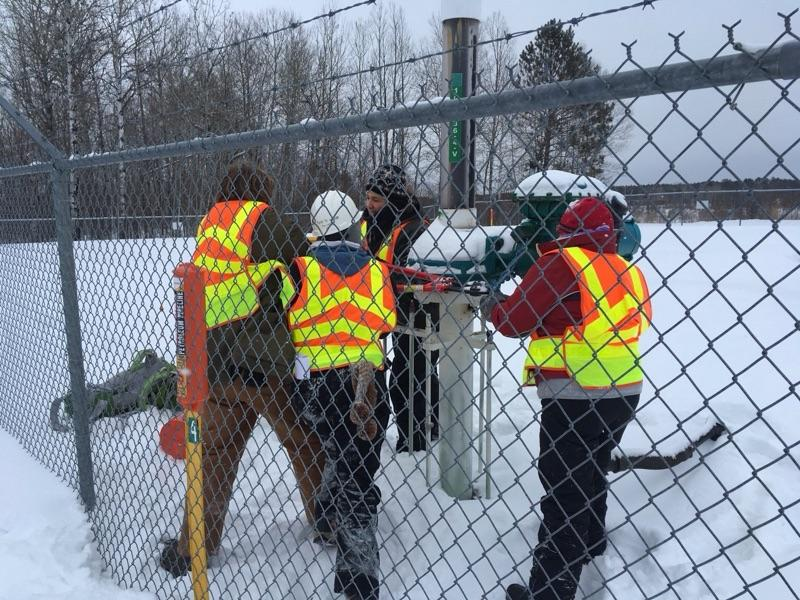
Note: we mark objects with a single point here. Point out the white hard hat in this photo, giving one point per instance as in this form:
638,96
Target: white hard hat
332,212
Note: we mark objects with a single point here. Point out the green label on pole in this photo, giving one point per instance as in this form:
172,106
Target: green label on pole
193,430
456,150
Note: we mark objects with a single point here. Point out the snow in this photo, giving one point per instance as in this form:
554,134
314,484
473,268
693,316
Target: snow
46,548
444,244
754,49
614,195
558,183
719,526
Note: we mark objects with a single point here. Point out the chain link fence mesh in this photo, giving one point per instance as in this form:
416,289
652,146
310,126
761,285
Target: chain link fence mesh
721,259
39,339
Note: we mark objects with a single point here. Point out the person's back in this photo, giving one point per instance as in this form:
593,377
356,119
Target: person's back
584,308
258,345
340,277
344,304
243,247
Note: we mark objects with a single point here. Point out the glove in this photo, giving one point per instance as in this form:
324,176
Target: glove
488,303
362,417
362,410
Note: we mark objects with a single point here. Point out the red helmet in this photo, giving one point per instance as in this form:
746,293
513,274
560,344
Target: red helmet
586,214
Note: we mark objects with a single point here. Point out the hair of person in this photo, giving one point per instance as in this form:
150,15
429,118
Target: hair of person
246,181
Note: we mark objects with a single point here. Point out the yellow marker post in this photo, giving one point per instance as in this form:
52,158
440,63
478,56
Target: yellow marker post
192,362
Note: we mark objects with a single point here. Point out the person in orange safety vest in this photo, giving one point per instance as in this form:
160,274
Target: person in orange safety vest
584,309
344,305
242,248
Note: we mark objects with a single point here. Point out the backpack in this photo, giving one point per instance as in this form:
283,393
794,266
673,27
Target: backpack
149,381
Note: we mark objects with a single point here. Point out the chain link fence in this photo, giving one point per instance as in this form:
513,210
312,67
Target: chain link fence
703,492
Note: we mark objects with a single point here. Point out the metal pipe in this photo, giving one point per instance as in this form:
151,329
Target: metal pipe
72,327
412,376
428,408
456,200
457,148
456,396
488,460
26,170
482,392
780,62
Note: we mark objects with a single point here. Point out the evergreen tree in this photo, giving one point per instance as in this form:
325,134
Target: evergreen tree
568,138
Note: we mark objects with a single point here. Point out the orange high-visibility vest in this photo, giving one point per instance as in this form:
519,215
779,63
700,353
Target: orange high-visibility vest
386,250
602,350
232,279
337,320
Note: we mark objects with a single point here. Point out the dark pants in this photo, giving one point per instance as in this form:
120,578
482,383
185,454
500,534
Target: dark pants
575,445
409,373
348,500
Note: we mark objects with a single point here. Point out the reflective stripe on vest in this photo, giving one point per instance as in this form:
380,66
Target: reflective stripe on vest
602,351
386,251
337,320
232,279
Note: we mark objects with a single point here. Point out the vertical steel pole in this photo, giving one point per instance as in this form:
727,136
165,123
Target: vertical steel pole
489,394
457,154
69,293
482,392
428,407
457,200
456,401
412,377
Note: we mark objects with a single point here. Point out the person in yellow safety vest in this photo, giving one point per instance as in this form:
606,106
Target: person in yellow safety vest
343,306
584,308
391,222
242,248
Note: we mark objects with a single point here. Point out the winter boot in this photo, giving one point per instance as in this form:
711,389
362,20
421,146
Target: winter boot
173,562
517,591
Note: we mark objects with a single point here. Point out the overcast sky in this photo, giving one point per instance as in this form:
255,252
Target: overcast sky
702,21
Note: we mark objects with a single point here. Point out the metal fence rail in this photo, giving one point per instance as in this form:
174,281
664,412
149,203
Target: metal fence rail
703,501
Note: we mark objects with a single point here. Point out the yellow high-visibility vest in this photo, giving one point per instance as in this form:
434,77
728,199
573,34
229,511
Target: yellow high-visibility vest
386,251
336,320
232,279
602,350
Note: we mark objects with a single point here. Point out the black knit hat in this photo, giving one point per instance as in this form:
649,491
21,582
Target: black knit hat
390,181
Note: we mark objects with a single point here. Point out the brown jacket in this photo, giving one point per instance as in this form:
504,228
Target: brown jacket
260,344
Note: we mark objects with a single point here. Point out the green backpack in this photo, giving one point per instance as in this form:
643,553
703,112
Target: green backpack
149,381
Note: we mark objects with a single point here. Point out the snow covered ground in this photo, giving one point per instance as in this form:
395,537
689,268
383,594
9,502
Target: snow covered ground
721,526
46,549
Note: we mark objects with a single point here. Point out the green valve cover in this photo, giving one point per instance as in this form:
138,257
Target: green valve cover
494,254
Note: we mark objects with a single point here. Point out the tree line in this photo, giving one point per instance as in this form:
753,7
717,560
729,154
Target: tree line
103,75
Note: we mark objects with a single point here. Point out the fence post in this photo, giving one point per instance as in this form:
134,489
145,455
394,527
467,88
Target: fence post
72,326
